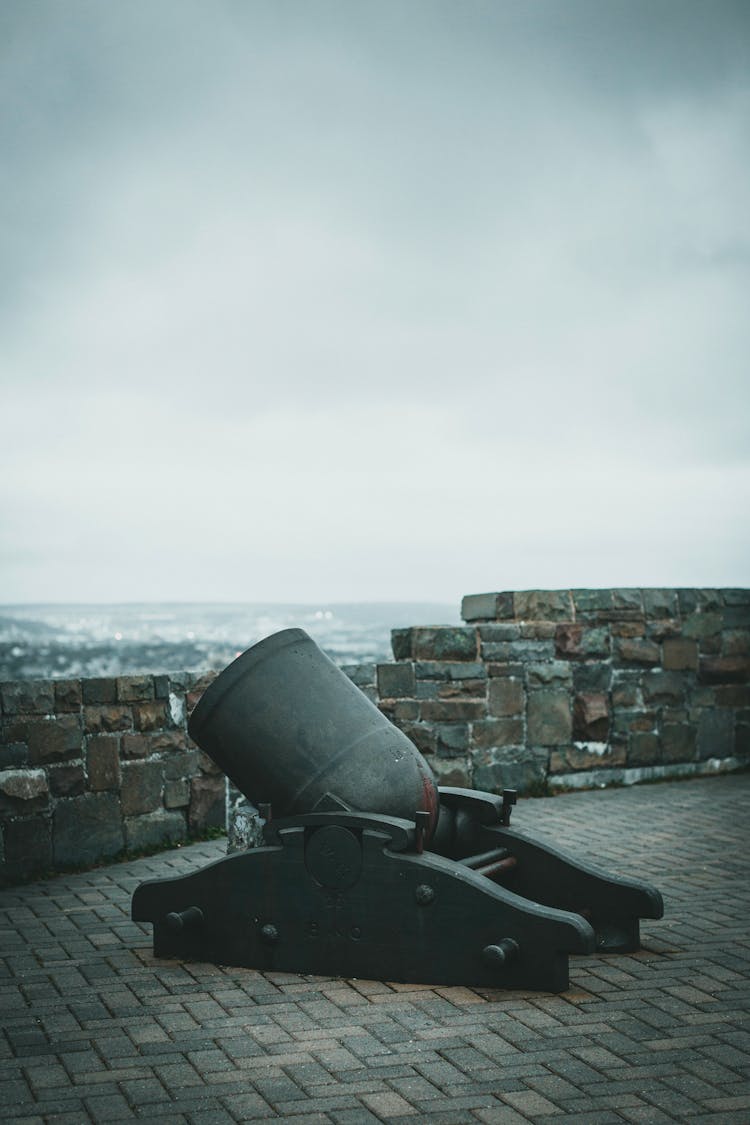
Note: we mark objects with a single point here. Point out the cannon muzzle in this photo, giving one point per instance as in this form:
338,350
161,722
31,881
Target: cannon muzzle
291,729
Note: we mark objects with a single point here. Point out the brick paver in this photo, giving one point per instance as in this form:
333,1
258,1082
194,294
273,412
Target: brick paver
95,1029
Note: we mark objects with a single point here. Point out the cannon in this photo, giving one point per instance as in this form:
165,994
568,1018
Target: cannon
368,869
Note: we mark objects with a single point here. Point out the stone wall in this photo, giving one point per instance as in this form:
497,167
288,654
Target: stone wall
539,689
91,768
558,688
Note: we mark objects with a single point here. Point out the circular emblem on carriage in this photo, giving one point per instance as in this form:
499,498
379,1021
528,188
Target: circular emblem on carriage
333,857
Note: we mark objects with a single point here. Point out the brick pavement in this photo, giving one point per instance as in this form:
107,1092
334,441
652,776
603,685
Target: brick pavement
95,1029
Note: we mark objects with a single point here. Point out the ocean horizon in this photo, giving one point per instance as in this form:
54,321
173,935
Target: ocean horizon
63,640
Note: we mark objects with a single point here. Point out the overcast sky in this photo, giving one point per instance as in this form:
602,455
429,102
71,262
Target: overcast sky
372,299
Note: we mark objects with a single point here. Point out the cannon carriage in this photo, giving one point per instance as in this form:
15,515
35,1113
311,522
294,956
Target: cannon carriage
368,869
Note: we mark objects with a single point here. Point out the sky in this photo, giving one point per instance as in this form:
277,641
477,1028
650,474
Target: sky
360,300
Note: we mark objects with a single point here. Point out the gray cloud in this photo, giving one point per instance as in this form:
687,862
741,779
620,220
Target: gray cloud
373,299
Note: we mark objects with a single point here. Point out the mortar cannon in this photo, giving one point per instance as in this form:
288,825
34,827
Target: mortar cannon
368,869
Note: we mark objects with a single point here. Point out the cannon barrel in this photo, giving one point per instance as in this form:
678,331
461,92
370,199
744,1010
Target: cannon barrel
291,729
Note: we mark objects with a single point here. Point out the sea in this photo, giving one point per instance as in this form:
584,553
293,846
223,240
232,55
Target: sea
62,641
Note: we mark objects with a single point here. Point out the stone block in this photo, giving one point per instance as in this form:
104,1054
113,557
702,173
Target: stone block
710,646
54,739
638,719
698,626
590,718
67,780
207,804
423,735
661,629
735,642
506,697
135,746
506,768
703,696
458,689
636,651
183,764
154,829
451,739
732,695
153,715
198,686
735,595
14,756
141,787
161,687
497,732
579,642
167,741
715,734
487,607
455,671
680,654
523,651
627,602
537,630
103,762
207,764
742,741
363,675
14,729
86,829
245,829
678,742
454,772
28,847
636,628
177,793
663,687
592,602
549,721
506,631
444,642
399,709
23,792
131,689
736,617
587,756
691,601
594,676
513,669
107,717
68,695
643,749
452,710
543,605
27,697
401,644
660,603
626,693
724,670
396,681
102,689
556,672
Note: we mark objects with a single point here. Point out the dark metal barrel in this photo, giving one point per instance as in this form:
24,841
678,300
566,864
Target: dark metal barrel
290,728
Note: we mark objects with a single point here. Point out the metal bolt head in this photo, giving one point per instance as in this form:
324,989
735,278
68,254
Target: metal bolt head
424,894
269,935
498,955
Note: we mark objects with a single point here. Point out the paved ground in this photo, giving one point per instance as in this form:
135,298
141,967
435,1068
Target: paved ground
95,1029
